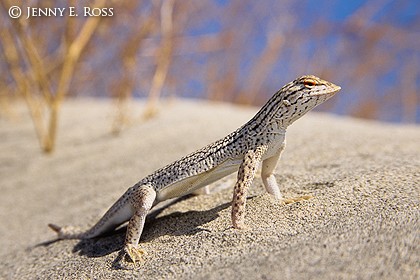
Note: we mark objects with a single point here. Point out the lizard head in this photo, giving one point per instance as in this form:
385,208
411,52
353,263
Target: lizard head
302,95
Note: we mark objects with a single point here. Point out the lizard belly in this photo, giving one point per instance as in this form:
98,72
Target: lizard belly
278,143
190,184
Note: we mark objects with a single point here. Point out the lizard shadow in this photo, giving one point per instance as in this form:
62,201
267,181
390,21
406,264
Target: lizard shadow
175,224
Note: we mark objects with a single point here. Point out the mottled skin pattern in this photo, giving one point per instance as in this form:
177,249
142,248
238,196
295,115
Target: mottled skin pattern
246,174
261,140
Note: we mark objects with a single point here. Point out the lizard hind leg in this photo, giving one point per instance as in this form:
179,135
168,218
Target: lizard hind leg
142,200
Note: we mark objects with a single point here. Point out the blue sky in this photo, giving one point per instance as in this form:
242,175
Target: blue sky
404,15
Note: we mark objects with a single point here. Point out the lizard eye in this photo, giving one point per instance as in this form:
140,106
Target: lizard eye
309,83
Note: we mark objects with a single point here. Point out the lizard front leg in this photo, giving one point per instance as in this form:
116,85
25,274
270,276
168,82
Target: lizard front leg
267,175
270,183
142,201
246,174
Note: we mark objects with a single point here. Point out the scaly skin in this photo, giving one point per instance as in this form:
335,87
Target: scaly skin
261,140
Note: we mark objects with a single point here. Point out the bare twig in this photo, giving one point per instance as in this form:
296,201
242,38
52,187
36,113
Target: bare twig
124,88
164,58
36,73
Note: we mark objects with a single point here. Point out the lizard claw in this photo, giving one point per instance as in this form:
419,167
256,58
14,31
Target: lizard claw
296,199
134,253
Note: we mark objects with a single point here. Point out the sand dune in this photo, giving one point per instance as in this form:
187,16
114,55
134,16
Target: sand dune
362,223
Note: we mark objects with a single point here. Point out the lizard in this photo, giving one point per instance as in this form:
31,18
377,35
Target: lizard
258,142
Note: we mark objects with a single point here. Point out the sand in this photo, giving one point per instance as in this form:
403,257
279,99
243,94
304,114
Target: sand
362,222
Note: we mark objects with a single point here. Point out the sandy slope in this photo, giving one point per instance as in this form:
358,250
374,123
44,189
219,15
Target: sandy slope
363,221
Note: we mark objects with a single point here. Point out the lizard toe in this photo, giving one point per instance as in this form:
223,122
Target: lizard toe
134,253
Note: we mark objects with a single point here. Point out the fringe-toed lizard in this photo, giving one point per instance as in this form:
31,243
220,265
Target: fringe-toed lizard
261,140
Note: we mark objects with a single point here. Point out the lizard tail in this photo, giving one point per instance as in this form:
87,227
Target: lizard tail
68,232
119,213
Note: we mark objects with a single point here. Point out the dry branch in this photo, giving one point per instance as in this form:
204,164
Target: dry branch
29,71
163,60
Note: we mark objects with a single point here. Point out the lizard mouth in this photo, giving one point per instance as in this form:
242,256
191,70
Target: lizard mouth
336,89
333,90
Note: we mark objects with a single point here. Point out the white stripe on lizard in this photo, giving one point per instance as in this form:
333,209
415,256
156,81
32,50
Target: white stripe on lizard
261,140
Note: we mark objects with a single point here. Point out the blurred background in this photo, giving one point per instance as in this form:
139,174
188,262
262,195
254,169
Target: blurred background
238,51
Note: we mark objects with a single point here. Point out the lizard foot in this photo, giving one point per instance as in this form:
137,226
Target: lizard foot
296,199
241,227
134,253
